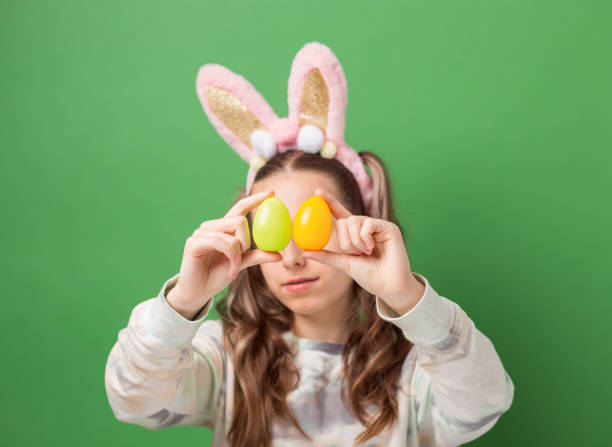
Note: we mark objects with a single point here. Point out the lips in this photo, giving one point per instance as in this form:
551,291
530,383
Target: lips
301,286
298,280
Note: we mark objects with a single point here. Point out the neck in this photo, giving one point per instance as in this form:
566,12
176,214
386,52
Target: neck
330,325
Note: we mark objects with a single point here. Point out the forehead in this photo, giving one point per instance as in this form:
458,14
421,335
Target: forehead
295,187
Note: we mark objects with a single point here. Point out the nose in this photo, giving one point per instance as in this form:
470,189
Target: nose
292,255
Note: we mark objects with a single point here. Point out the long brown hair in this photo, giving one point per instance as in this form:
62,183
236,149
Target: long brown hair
254,321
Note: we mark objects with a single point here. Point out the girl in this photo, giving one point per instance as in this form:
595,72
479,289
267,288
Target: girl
340,347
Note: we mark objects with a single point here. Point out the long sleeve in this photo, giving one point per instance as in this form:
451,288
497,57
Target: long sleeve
459,380
165,370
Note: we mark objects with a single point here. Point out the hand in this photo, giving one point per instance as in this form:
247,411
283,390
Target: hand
372,252
215,253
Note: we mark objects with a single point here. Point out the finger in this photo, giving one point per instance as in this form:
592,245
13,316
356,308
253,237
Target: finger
235,225
366,233
336,260
344,238
235,246
257,256
354,226
221,242
377,230
243,206
337,209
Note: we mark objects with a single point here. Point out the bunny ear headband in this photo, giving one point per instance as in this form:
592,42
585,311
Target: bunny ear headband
317,104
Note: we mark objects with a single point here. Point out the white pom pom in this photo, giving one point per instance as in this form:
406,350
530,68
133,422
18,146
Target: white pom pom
263,143
310,139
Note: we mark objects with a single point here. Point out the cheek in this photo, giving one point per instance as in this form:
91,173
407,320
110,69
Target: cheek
266,267
267,271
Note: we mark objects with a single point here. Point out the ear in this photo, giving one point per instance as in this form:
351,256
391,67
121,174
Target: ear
318,94
317,100
237,110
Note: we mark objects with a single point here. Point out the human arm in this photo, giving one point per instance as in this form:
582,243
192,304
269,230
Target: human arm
459,378
165,370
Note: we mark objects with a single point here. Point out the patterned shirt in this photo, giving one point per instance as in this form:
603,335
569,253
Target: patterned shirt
165,370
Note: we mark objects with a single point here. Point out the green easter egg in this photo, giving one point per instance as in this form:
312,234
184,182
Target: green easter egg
272,225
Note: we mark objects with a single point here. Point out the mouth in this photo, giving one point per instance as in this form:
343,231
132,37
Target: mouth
299,284
299,280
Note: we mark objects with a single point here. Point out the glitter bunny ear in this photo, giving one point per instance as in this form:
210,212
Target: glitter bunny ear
317,101
240,114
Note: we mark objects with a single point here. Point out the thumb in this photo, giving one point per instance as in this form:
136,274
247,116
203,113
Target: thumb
330,258
257,256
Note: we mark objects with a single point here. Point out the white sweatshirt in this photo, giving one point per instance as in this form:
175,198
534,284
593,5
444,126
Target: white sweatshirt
166,370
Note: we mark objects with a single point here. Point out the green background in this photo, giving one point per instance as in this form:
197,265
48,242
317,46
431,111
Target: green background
493,116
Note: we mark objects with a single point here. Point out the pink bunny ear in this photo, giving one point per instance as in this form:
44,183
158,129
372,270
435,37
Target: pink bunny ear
317,90
236,109
317,100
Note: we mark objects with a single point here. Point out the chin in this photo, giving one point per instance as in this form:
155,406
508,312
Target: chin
305,305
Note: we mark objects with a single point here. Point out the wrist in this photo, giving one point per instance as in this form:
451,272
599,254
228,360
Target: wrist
184,307
405,300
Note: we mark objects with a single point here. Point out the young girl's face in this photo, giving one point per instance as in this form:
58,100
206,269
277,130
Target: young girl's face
331,292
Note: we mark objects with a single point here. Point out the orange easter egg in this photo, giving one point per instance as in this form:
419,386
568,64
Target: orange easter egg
312,224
